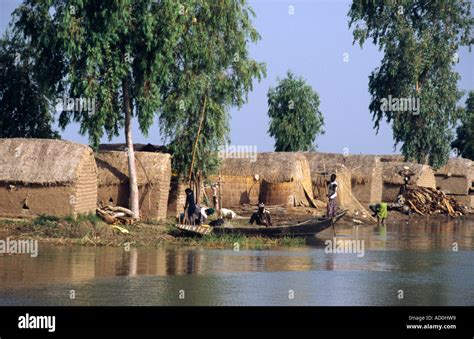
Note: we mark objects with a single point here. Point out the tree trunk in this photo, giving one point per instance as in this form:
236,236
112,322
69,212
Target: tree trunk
132,170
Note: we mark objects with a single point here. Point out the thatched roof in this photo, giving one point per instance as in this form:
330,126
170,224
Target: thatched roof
113,167
273,167
136,147
40,161
362,166
391,158
457,167
392,170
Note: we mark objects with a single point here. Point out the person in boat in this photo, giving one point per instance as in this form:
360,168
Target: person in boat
261,217
332,195
380,211
190,205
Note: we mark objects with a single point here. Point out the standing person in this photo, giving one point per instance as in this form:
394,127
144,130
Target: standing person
215,201
190,205
261,217
332,194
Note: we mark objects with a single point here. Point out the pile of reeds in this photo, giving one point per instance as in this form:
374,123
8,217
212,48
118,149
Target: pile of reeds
427,201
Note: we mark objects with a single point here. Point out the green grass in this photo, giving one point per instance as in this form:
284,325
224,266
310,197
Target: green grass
45,221
242,241
81,218
88,229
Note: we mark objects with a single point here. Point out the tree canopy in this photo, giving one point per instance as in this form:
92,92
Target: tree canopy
464,142
211,72
105,51
295,119
25,105
115,56
419,40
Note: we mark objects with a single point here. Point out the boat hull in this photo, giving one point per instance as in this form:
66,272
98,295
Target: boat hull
305,229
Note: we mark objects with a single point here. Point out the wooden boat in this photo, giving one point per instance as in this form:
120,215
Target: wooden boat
303,229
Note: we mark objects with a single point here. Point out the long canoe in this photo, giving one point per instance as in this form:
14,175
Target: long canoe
303,229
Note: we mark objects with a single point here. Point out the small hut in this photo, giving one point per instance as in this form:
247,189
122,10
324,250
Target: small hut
320,175
42,176
366,172
456,177
274,178
420,175
153,176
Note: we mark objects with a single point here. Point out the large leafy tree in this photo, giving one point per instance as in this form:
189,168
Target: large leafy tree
25,105
212,71
464,141
419,40
115,52
295,119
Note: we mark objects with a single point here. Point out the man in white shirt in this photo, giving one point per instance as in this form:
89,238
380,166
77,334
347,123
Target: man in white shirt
332,195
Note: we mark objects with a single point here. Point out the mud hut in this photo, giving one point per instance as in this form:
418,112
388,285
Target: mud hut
320,179
177,197
320,175
274,178
420,175
42,176
366,172
456,177
153,176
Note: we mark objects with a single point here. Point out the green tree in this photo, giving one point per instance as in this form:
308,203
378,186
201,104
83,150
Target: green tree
464,142
212,71
295,119
115,53
24,104
419,40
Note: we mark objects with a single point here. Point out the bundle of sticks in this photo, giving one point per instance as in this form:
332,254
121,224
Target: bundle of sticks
426,201
115,214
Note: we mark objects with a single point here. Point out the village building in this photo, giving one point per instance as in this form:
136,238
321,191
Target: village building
153,177
274,178
457,178
366,173
393,178
42,176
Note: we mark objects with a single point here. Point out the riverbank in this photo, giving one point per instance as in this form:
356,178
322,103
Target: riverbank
89,230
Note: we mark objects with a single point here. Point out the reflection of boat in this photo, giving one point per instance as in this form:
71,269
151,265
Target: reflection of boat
303,229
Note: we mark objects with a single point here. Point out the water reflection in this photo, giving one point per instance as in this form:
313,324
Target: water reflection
416,256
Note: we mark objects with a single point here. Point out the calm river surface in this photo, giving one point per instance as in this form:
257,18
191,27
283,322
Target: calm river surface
416,260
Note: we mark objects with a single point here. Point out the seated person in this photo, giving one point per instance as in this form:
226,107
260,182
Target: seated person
261,217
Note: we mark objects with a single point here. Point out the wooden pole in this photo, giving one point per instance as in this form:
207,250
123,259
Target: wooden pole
197,137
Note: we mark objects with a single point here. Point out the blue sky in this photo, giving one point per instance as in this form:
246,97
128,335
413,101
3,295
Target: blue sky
311,42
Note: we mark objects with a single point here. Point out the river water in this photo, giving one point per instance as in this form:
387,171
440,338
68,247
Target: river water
416,263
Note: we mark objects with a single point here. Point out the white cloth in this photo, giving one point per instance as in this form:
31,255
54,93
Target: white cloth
203,212
227,213
333,189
